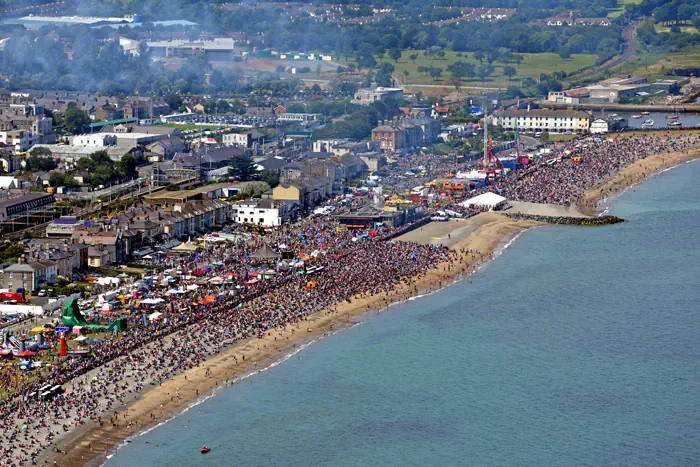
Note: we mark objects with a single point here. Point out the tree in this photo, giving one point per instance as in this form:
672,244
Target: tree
127,165
37,163
405,74
484,71
413,58
75,119
242,167
435,73
513,91
565,52
57,179
461,69
479,55
367,81
492,56
441,54
383,79
395,54
40,151
685,12
509,71
270,177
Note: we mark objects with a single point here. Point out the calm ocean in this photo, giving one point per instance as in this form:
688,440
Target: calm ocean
577,347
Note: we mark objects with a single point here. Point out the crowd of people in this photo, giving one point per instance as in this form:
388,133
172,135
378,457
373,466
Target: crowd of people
564,175
347,264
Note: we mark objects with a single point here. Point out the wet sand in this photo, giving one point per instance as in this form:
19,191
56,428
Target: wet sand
90,443
633,175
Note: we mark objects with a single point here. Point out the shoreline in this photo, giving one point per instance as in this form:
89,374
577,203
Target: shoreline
93,445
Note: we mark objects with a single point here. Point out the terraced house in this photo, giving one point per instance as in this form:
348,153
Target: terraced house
542,120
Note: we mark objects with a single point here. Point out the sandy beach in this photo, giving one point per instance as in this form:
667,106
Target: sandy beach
90,443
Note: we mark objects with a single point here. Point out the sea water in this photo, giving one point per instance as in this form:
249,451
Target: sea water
579,346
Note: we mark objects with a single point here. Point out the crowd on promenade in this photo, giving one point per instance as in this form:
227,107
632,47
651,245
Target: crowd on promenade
562,178
348,264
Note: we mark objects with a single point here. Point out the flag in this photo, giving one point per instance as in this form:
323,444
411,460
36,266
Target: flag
517,136
145,320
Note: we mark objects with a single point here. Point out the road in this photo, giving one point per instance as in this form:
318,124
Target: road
630,37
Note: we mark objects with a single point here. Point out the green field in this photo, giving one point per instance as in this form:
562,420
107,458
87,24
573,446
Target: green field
532,66
688,29
615,12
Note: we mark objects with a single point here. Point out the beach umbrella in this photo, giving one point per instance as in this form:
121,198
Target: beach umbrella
106,308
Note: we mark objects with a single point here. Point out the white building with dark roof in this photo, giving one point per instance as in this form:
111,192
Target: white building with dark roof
544,120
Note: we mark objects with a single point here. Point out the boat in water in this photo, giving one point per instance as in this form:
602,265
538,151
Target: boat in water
204,450
675,124
649,123
671,117
645,113
636,117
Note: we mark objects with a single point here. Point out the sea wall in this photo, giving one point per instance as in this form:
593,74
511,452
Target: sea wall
564,220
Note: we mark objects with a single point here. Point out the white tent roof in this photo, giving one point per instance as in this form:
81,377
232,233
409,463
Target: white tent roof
489,200
155,315
153,301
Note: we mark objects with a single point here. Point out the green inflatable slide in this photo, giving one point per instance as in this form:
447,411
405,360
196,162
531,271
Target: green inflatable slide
72,316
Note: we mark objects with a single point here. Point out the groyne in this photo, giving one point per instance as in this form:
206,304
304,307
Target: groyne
566,220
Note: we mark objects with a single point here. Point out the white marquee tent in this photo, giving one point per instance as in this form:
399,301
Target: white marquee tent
488,200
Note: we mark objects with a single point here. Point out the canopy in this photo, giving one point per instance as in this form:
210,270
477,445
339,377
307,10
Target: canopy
81,339
152,301
154,316
106,307
488,200
192,287
187,247
216,280
176,291
265,253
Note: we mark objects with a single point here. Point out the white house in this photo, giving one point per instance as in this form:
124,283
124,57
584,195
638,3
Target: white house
21,140
265,212
543,120
237,139
96,139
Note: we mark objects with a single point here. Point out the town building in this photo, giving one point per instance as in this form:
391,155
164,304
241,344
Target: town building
298,117
63,227
28,275
601,125
406,133
264,212
613,93
370,215
543,120
368,95
218,49
561,97
243,140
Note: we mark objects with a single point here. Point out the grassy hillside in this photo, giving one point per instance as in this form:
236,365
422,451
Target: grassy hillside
532,66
